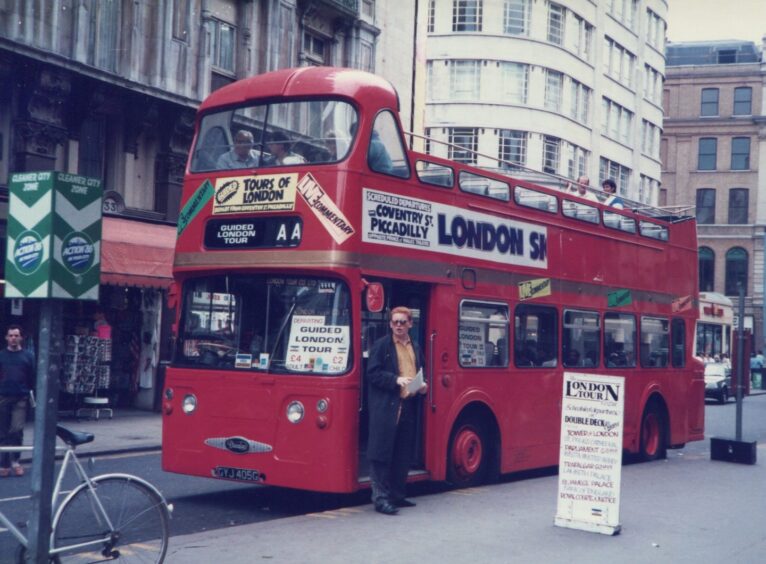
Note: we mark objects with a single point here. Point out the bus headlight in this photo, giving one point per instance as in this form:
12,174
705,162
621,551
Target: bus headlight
189,404
295,412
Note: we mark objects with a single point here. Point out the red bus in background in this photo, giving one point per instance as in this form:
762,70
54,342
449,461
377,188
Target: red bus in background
305,218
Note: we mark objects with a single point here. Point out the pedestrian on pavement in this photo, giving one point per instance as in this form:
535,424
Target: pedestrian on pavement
395,361
17,379
756,369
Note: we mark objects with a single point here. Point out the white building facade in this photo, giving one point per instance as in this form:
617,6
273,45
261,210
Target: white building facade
569,87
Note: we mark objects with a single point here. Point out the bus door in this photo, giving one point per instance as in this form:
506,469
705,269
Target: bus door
413,295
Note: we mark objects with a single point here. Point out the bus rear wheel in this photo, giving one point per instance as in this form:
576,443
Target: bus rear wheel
653,433
468,454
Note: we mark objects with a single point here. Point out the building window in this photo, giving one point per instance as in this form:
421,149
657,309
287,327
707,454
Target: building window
738,203
431,15
727,56
617,122
368,8
650,139
181,20
91,161
464,80
736,270
223,45
512,147
516,17
617,172
706,157
575,159
709,103
582,38
652,85
706,269
554,82
551,151
314,49
514,82
743,101
579,101
556,15
619,63
464,142
466,15
655,31
740,153
705,206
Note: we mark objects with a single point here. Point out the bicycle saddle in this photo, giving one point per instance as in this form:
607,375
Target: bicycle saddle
73,438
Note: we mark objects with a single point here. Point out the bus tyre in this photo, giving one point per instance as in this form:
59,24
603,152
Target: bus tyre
468,454
653,434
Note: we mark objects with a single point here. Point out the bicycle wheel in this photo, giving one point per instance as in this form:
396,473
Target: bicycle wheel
138,515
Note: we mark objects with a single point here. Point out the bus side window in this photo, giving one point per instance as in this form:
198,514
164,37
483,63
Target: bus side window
386,152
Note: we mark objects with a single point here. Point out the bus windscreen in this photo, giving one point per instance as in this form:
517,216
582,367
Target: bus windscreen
261,322
274,135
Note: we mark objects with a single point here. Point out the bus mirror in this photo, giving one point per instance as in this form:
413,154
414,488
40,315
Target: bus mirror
374,297
172,296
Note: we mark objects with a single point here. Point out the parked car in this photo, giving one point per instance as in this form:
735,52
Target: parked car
717,381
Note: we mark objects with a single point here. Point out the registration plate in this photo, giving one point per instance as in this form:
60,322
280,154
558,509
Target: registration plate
241,474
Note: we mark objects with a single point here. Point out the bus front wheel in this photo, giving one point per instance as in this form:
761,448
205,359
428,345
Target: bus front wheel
468,454
653,433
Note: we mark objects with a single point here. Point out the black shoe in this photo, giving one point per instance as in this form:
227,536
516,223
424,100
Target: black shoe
404,503
386,508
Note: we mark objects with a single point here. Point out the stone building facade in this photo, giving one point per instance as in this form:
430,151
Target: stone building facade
714,154
109,89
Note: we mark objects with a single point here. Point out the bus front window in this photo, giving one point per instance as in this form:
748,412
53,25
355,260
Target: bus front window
274,135
279,324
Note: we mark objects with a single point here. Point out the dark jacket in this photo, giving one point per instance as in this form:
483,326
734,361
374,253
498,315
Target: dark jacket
17,372
383,398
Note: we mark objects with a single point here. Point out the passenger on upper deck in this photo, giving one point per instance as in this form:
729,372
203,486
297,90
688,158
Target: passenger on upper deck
241,155
612,199
279,147
378,158
580,188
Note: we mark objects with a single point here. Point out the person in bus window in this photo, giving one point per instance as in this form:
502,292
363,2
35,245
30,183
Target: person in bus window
279,147
241,155
393,363
612,199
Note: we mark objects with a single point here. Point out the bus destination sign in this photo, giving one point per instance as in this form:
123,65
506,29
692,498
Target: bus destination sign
253,233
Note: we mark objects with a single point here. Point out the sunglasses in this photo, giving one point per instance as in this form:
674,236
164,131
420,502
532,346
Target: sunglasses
399,321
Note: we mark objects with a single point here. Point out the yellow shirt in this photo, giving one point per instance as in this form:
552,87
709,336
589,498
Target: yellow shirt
405,355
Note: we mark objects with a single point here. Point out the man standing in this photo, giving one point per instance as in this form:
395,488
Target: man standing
17,379
394,362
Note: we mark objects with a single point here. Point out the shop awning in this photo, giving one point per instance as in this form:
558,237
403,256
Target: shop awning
136,253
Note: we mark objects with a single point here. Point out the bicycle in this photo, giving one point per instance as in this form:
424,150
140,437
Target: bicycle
107,517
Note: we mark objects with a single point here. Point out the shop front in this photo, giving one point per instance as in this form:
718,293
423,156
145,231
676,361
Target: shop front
113,349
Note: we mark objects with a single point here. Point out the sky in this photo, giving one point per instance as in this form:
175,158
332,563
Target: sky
700,20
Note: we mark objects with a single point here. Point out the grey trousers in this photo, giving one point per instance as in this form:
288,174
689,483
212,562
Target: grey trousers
13,415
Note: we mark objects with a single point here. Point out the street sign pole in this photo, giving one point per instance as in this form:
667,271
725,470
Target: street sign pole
740,358
54,254
44,453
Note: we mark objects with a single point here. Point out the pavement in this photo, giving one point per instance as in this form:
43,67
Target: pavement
507,522
129,430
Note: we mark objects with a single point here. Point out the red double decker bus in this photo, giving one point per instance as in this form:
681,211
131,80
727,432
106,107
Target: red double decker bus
306,218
